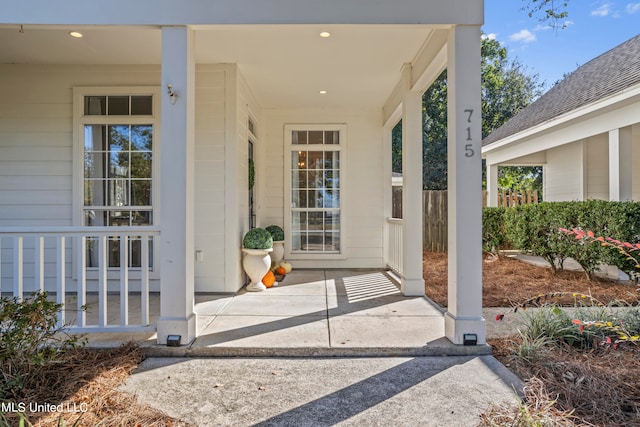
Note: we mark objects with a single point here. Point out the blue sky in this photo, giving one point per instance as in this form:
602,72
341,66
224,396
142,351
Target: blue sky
592,28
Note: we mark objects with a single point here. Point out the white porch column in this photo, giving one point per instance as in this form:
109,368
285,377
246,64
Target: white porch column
177,315
492,185
620,164
412,282
464,315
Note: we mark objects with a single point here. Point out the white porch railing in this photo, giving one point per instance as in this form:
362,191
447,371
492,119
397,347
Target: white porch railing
31,253
395,245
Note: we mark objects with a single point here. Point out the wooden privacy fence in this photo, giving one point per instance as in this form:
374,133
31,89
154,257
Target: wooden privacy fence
435,202
511,198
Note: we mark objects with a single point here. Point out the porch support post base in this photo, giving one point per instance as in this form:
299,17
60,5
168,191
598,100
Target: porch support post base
456,327
183,326
412,287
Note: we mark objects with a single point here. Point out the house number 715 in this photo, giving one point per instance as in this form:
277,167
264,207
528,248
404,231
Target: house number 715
468,148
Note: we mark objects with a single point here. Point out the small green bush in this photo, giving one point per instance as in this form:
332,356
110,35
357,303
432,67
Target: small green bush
277,233
257,238
535,229
494,236
30,341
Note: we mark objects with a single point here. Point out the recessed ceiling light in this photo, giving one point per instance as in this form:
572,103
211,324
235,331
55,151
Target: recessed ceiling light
76,34
322,92
325,34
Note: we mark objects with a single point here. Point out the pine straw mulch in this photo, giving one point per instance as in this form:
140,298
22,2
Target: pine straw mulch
572,387
87,379
508,281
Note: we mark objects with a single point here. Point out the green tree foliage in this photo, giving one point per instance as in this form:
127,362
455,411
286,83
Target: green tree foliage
520,178
507,88
548,11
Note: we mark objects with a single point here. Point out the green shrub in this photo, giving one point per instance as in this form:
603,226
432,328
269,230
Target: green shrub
277,233
535,229
494,235
257,238
30,341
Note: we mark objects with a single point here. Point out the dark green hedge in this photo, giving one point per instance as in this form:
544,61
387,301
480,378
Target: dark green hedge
535,229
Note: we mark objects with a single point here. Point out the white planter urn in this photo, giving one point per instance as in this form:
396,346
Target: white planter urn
278,252
256,264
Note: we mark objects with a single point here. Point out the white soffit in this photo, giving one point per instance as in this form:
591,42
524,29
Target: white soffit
286,65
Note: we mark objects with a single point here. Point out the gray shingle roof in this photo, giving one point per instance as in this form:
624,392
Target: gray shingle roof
608,74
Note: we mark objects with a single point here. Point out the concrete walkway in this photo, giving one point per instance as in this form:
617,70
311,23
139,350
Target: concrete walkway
390,391
325,347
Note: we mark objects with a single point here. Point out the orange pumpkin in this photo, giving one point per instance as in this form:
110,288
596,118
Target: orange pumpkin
269,279
281,271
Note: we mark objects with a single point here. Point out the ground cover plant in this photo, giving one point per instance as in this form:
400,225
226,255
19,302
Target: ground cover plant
42,367
581,366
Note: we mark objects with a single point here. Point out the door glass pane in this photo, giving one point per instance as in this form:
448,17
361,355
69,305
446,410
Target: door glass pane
141,218
119,164
141,192
118,137
119,218
95,138
141,105
315,159
332,160
140,165
94,165
331,137
141,137
299,137
95,105
299,160
298,198
298,179
118,190
118,105
316,137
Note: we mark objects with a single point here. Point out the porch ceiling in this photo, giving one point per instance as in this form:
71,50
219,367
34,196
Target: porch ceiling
286,65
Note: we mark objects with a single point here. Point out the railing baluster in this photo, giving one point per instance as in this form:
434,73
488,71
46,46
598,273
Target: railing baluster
90,270
102,281
144,279
124,280
18,267
60,279
39,263
82,280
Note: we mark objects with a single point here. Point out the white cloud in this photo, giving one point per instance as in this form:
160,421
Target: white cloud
632,8
490,36
603,10
541,27
568,23
524,36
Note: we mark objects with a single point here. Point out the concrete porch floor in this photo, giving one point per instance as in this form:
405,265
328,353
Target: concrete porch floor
311,313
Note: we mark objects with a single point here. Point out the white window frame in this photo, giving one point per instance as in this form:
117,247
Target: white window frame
289,149
79,121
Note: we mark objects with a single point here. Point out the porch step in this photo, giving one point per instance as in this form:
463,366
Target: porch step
442,347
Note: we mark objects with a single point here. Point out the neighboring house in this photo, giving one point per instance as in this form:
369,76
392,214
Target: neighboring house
585,132
130,146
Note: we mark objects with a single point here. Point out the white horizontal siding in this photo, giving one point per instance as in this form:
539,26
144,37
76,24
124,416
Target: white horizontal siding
209,178
598,167
563,173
